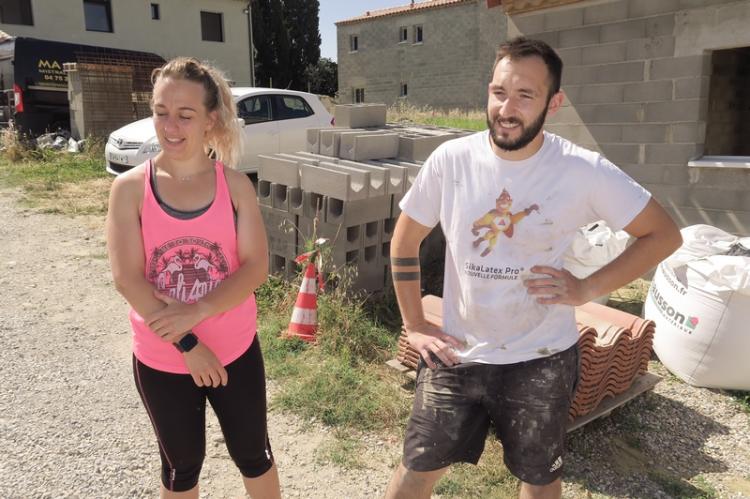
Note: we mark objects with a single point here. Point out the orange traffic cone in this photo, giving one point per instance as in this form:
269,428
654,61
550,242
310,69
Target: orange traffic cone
304,323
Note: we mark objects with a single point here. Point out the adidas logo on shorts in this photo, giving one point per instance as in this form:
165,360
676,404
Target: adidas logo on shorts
556,465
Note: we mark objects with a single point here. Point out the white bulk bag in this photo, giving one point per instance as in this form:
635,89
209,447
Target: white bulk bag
700,301
594,246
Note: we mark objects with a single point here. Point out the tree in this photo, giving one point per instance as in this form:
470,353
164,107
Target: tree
323,77
271,41
302,22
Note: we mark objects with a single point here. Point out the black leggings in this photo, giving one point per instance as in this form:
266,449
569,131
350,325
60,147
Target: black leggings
177,409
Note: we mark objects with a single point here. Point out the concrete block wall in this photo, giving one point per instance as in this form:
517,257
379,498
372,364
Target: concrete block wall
466,34
354,204
637,77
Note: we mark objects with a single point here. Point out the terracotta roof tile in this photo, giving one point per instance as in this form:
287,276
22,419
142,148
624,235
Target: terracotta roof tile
405,9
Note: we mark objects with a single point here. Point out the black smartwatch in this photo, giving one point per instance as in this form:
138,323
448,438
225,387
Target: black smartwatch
186,343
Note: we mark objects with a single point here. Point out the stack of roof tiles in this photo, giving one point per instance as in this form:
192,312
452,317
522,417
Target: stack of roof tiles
345,187
615,348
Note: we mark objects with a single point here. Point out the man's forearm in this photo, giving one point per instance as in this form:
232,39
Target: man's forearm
640,257
405,270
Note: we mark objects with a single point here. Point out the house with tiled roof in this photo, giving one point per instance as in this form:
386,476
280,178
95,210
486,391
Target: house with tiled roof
433,53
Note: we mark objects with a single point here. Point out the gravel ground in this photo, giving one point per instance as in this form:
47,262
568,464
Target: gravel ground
71,423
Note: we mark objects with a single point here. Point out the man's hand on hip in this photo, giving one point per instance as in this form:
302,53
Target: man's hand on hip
428,339
557,286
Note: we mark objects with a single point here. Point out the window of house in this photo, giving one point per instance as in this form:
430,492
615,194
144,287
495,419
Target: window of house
403,34
404,90
359,95
418,38
16,12
353,43
255,109
212,26
287,107
155,14
727,123
98,15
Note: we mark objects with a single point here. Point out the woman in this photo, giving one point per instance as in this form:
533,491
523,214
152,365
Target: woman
187,248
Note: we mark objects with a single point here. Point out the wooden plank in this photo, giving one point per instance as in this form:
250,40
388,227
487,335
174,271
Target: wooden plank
398,366
640,385
405,370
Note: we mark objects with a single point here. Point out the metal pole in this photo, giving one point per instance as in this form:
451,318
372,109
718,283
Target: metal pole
252,46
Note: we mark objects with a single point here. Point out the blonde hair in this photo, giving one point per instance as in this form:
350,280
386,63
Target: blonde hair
224,138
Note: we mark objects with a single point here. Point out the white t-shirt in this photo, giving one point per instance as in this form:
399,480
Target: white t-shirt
502,217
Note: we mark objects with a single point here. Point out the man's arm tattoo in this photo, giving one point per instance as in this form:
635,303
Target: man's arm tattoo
406,276
404,262
403,268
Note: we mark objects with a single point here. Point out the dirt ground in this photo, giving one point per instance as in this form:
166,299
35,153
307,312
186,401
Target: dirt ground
71,423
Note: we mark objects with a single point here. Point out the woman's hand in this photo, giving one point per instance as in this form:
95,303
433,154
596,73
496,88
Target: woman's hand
204,367
174,320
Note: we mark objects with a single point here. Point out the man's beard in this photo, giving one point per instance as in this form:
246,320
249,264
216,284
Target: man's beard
528,133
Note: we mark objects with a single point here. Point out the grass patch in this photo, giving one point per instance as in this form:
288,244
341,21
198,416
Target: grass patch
742,399
489,478
343,451
630,298
455,118
56,181
675,486
341,380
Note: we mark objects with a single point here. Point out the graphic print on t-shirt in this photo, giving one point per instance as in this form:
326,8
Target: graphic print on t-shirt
187,268
499,219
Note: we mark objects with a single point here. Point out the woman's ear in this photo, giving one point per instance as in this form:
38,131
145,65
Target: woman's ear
213,118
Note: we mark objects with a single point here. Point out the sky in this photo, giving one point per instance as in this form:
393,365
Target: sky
338,10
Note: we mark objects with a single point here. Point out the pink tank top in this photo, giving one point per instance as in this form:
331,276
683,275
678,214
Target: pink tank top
186,259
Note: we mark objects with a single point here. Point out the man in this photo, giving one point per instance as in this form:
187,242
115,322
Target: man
507,354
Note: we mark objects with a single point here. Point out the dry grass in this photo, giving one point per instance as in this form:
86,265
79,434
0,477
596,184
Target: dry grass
455,118
12,147
86,197
630,298
56,181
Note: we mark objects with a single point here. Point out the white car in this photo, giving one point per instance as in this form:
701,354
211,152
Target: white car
275,120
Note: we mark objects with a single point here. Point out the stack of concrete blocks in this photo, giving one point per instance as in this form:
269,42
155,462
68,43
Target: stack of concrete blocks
345,187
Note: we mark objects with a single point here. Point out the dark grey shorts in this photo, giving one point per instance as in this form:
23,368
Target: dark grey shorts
527,403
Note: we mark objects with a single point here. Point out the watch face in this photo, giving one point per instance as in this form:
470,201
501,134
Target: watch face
187,342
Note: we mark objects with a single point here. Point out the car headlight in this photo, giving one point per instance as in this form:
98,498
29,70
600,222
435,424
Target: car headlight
151,146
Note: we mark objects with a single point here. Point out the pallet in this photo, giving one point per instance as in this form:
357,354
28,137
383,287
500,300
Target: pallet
641,384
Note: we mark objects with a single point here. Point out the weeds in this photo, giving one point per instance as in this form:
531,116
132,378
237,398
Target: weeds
742,399
12,146
340,381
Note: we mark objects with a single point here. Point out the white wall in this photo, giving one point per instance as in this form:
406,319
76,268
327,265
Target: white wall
177,33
